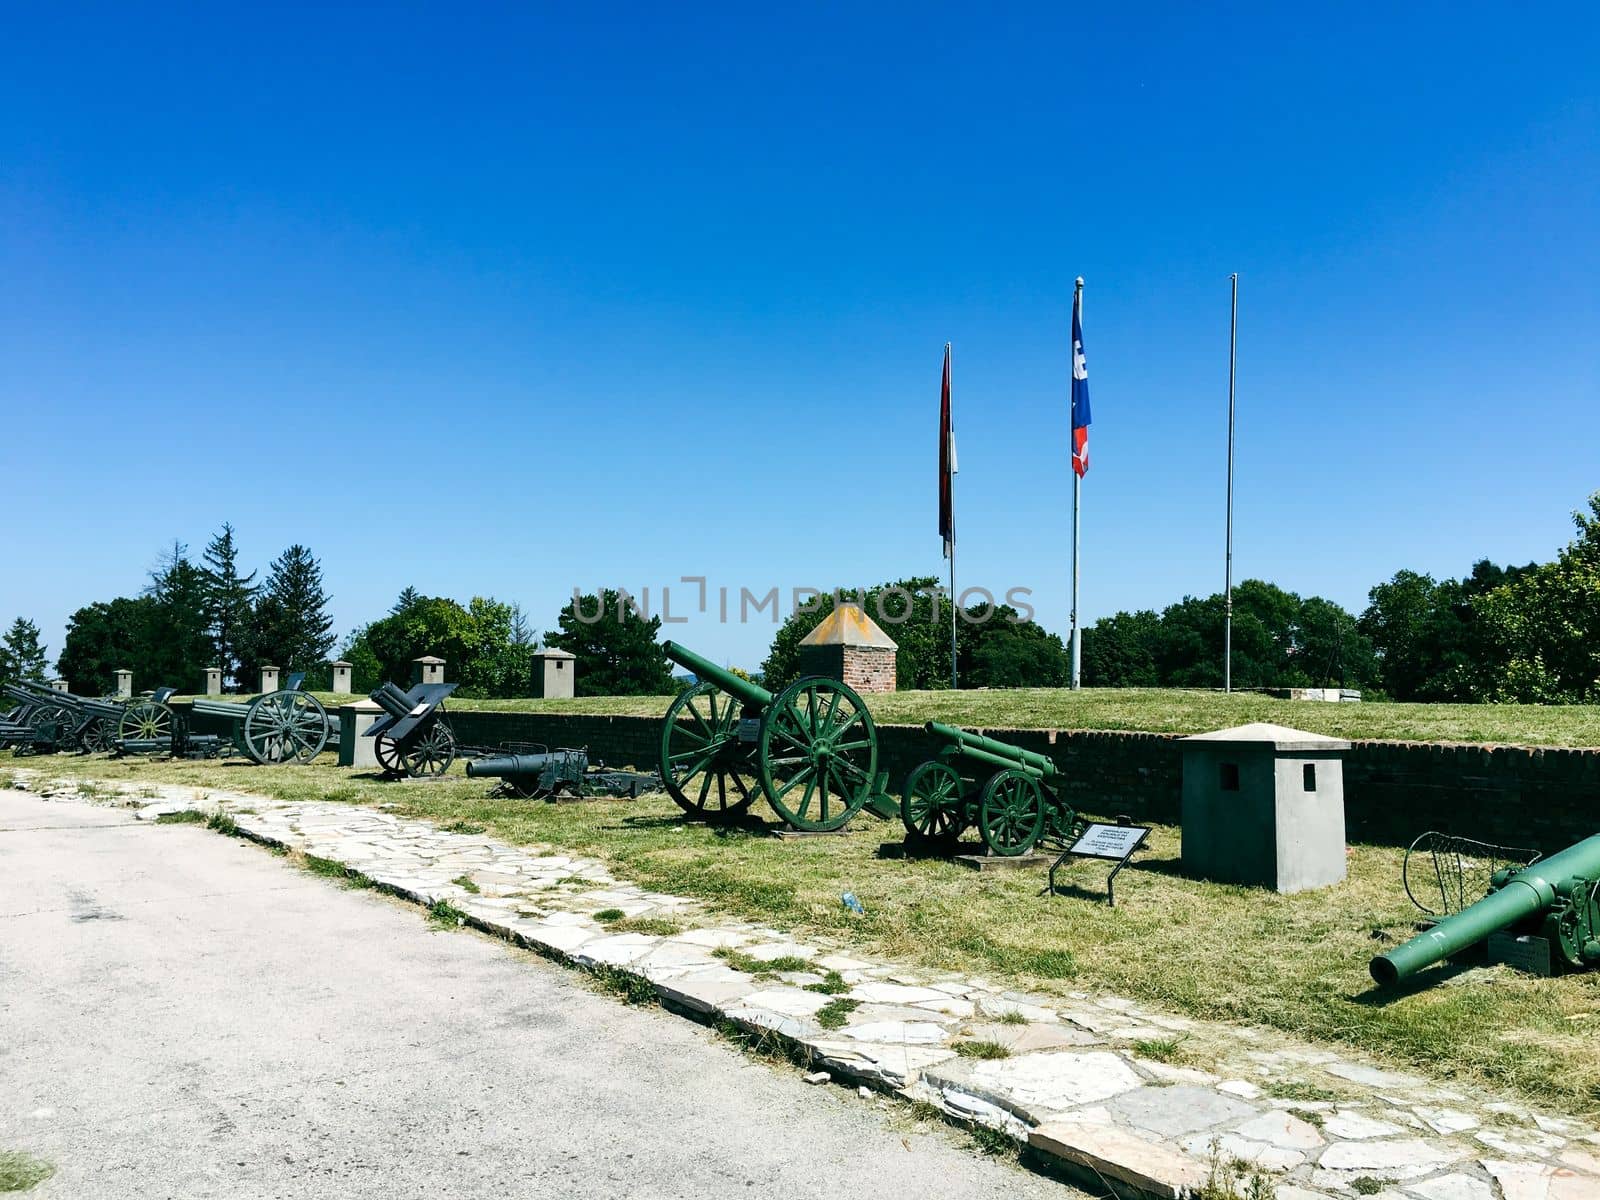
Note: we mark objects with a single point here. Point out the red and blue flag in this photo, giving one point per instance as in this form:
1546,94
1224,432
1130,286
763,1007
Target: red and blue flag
1080,389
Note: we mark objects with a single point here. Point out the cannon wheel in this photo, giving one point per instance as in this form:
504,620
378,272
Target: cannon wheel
388,755
64,720
97,735
704,766
817,742
1011,812
285,727
430,753
931,805
145,720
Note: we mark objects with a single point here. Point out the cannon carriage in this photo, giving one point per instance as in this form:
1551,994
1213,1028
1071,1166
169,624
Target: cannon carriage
535,772
66,721
413,737
811,750
286,726
1014,807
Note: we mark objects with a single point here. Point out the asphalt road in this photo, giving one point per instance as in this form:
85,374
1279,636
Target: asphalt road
184,1015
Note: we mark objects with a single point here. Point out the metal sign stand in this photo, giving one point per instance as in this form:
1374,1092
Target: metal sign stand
1110,843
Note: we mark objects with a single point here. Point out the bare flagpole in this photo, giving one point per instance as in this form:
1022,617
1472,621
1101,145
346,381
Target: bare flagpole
953,471
1077,486
1227,608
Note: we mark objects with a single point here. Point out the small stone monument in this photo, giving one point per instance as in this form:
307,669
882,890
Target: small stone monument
269,679
58,685
341,678
124,684
554,674
1264,805
356,749
849,646
429,669
213,681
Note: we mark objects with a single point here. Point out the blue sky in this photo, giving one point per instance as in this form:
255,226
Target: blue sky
503,300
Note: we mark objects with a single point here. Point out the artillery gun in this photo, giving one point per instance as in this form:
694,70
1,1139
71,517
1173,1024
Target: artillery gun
414,738
546,774
286,726
812,749
1554,899
1013,808
66,721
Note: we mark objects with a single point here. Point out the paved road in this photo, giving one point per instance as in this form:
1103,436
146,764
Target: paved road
184,1015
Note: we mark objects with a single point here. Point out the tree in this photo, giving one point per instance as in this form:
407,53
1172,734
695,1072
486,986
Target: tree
292,628
408,597
617,653
230,599
476,642
177,644
1120,650
103,638
21,654
1016,654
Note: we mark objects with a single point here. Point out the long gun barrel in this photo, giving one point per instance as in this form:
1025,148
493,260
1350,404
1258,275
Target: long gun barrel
1570,876
502,765
996,753
708,672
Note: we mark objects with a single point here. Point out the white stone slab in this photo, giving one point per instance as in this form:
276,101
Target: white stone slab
1059,1079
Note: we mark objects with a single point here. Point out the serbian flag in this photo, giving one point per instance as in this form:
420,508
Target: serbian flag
947,462
1080,389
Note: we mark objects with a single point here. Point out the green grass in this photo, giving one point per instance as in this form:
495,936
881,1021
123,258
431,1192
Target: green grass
625,985
993,1142
1369,1185
654,926
1293,963
740,961
609,914
1166,1050
189,816
832,984
20,1171
836,1012
1159,710
444,915
464,882
981,1049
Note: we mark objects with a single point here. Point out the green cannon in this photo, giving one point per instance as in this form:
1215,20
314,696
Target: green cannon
812,749
1015,806
1553,898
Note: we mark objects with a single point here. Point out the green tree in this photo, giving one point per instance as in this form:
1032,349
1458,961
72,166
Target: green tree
291,626
476,642
22,655
617,652
1542,628
408,596
230,600
1015,654
103,638
177,643
1120,650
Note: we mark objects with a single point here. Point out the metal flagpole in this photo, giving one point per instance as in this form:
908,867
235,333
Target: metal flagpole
950,450
1077,484
1227,608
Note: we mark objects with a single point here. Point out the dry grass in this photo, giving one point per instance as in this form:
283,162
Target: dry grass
1295,963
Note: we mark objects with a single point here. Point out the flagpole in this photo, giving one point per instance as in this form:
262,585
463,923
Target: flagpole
1227,607
1077,484
953,683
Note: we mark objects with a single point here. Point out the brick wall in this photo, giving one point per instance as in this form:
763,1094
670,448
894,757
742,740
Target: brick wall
862,668
1542,798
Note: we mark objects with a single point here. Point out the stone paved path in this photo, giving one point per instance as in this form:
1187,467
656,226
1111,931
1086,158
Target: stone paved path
1074,1086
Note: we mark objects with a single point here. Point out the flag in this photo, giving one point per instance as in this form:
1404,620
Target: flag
947,462
1080,389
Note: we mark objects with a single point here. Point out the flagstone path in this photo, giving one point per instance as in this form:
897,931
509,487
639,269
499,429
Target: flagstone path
1074,1085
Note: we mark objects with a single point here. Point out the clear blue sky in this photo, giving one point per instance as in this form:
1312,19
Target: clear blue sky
502,300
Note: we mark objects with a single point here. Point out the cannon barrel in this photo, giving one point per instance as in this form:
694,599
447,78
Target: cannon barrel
391,699
502,765
708,672
993,751
1526,893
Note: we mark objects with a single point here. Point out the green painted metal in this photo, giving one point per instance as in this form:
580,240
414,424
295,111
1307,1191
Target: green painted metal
1003,752
1555,897
812,750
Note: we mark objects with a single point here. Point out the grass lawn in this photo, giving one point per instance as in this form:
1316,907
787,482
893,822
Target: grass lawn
1161,710
1295,963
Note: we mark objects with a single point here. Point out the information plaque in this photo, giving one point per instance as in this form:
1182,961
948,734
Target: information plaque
1110,843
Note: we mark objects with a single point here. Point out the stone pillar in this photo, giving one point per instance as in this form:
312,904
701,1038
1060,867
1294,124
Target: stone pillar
341,678
429,669
58,685
355,748
1264,805
554,674
850,647
124,684
213,681
269,679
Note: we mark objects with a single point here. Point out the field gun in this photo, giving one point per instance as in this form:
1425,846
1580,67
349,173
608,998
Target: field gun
286,726
1014,808
1553,898
413,738
547,774
812,749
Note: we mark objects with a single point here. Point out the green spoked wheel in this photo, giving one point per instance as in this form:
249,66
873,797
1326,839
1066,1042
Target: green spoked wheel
1011,812
285,727
145,720
429,754
931,804
817,754
388,755
705,766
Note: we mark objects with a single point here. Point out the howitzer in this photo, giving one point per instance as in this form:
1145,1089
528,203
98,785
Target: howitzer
812,749
548,774
286,726
1554,898
1013,808
413,738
